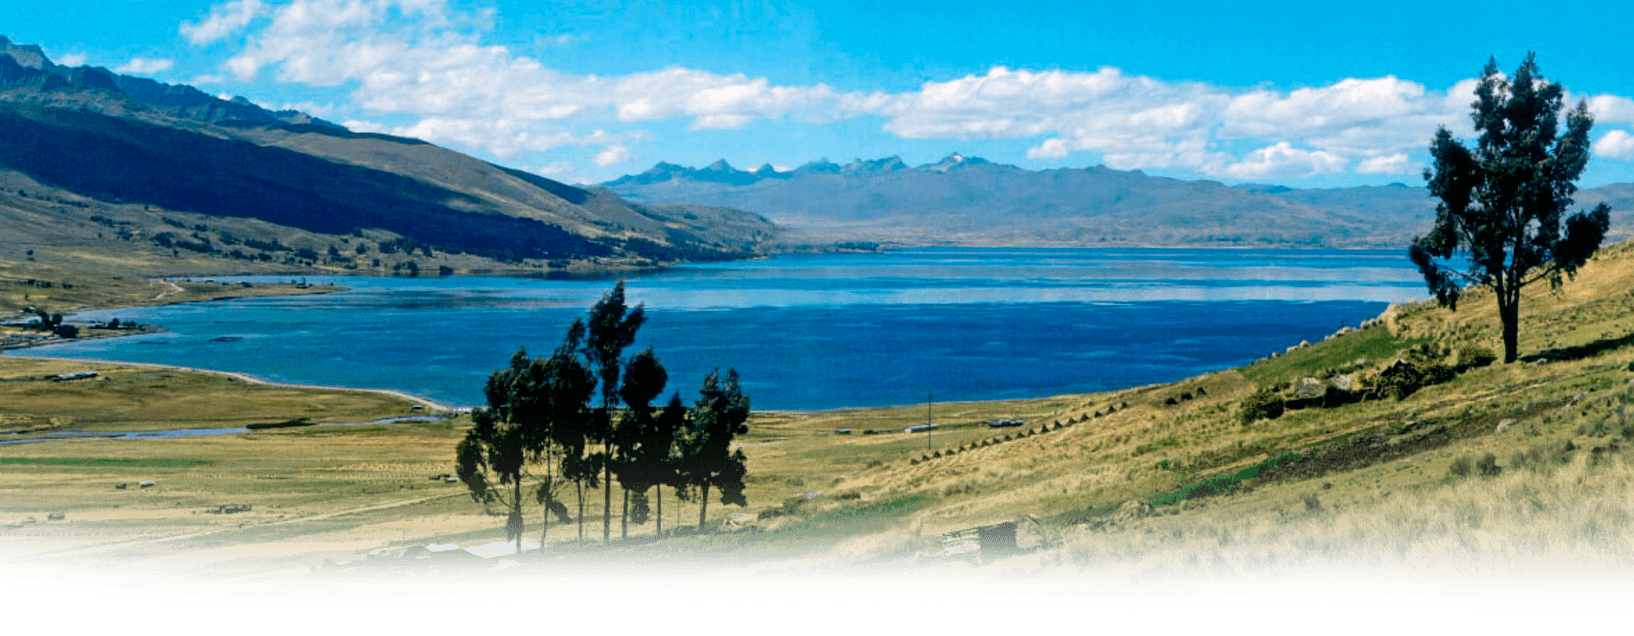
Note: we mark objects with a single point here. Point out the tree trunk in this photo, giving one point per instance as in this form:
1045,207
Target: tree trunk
513,525
703,507
1509,313
545,523
579,485
660,531
606,494
624,517
607,470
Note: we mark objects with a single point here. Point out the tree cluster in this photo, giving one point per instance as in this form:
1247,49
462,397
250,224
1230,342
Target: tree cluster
54,324
543,429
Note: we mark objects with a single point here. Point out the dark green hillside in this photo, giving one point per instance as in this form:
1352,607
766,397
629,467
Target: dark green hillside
134,162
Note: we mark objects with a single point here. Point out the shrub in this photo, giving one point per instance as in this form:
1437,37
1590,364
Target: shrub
1488,465
1262,404
1404,377
1472,356
1543,456
1425,355
1460,467
1312,504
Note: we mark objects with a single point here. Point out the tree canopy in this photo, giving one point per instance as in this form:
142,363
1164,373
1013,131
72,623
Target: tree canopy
611,329
720,414
539,409
1503,202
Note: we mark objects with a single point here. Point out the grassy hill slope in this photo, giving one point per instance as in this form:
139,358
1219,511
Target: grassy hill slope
1407,474
1483,466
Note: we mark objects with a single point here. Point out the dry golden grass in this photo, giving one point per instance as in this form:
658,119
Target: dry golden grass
126,397
884,501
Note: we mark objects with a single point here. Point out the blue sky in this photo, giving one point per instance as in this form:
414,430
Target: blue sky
1274,92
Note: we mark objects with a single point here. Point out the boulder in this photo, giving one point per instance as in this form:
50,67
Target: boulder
1132,510
1306,388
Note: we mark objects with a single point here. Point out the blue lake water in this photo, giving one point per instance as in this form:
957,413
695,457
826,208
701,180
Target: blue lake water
810,331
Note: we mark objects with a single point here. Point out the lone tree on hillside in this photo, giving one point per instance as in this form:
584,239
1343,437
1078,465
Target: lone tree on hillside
1502,202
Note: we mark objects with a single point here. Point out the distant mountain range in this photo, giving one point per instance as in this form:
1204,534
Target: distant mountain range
972,201
90,132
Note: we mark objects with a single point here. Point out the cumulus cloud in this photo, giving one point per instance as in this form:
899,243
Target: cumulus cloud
222,21
613,155
425,61
1617,144
553,169
1612,109
1283,160
145,66
72,59
1387,164
1340,105
1055,148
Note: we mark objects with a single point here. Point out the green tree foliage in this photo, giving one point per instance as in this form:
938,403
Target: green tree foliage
496,450
534,404
643,447
567,387
1502,202
708,461
572,435
611,329
664,445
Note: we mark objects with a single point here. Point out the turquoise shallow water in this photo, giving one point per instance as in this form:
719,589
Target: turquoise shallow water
811,331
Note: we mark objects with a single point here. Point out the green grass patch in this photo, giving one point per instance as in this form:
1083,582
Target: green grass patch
1375,343
155,462
883,510
1222,484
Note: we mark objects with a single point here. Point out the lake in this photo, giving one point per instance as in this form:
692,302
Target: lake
809,331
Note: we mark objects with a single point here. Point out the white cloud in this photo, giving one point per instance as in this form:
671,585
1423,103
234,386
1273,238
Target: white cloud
613,155
145,66
1612,109
72,59
552,169
1617,144
1284,161
1051,149
1386,164
1346,103
222,21
425,61
558,170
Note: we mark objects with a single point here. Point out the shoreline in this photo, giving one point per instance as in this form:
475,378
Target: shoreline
438,406
433,406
